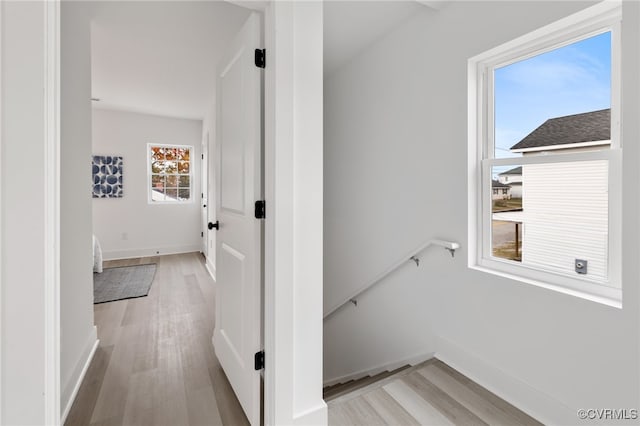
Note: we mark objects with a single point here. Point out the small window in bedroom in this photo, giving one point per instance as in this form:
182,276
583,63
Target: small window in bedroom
169,170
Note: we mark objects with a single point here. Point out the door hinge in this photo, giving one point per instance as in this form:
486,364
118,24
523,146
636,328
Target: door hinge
260,58
258,360
202,156
201,234
260,209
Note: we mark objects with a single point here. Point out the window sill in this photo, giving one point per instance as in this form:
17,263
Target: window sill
608,296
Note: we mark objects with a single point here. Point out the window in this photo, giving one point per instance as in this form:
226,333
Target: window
545,155
169,169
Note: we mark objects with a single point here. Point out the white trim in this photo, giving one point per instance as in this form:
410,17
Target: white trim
204,189
51,101
584,23
536,403
388,366
211,268
149,252
269,403
83,372
1,202
291,130
314,417
564,146
603,17
552,281
433,4
256,5
605,154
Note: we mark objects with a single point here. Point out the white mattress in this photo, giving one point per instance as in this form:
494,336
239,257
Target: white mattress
97,256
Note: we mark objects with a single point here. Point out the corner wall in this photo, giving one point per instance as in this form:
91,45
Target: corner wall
78,337
396,175
293,224
130,226
25,252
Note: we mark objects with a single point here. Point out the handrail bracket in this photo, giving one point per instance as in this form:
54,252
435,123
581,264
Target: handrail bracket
450,246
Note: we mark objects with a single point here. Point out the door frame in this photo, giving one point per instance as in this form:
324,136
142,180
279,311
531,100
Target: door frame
52,219
51,103
280,385
204,190
293,324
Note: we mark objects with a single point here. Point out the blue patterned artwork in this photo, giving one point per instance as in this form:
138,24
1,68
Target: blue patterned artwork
107,176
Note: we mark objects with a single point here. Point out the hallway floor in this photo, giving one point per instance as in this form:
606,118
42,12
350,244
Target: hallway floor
431,393
155,364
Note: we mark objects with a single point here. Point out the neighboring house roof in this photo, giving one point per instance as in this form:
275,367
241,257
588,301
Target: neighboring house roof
496,184
515,183
516,171
571,129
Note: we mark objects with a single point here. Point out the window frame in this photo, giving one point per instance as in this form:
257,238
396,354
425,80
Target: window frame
150,174
598,19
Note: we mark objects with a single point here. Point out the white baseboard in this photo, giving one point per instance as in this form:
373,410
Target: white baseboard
148,252
72,386
412,360
316,416
211,268
525,397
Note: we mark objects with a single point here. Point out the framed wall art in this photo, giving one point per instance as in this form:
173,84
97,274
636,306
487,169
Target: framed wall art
107,176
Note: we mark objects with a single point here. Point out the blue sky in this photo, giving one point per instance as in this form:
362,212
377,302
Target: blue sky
569,80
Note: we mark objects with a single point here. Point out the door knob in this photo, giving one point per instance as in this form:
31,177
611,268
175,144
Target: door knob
214,225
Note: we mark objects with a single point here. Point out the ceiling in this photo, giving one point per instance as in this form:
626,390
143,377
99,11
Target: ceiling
351,26
159,57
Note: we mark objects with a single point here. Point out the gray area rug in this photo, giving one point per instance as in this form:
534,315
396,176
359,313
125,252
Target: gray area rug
125,282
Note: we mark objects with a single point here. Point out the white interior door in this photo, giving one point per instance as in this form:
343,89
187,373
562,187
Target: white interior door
237,333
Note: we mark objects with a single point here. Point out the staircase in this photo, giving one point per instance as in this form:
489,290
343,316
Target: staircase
429,393
332,392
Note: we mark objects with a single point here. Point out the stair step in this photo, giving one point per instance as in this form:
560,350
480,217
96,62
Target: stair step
335,391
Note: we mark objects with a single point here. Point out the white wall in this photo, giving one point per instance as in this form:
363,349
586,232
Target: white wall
395,124
27,214
130,226
78,334
293,226
24,254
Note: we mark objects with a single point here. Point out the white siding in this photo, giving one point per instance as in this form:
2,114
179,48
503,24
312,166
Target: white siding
566,216
507,179
516,190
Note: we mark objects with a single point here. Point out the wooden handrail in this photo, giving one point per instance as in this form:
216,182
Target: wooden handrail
413,255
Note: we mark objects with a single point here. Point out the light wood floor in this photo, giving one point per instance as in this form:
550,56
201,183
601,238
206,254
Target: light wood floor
155,364
430,394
